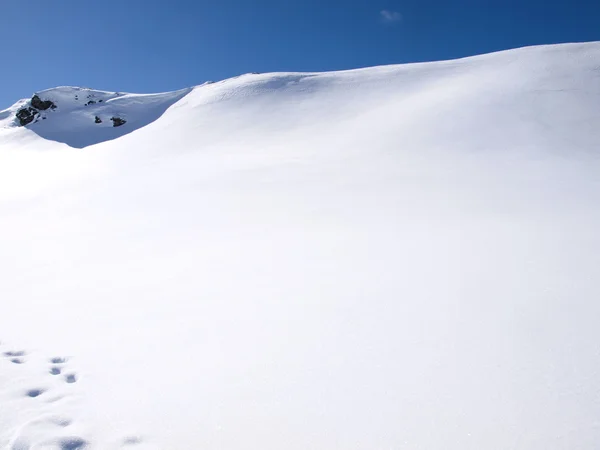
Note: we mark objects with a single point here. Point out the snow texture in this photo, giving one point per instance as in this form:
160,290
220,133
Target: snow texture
400,257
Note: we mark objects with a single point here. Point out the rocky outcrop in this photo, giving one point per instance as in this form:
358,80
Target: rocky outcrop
97,120
41,105
29,114
26,115
117,121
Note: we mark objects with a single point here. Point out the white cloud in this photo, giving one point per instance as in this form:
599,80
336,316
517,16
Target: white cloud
390,16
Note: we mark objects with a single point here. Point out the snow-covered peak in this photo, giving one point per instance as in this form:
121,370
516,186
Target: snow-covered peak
80,117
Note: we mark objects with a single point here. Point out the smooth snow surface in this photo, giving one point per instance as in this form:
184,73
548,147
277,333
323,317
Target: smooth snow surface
400,257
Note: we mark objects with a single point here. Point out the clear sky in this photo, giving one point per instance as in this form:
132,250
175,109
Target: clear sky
158,45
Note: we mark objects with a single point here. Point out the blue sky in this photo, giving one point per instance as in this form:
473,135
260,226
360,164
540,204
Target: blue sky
155,45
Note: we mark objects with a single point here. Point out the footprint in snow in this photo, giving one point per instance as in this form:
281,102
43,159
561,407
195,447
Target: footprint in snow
39,434
132,440
28,437
57,369
70,378
72,443
15,357
58,360
35,392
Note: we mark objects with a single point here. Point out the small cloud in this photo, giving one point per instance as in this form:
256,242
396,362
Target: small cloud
390,16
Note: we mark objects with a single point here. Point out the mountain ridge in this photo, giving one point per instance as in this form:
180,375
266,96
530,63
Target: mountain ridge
117,105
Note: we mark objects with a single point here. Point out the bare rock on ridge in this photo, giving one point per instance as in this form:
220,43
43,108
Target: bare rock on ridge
40,104
26,115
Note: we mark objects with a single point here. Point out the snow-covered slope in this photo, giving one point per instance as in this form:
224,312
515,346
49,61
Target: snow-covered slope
82,117
397,257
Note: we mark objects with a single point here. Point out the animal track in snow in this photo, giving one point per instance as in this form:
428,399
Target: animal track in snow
132,440
35,392
57,369
47,432
61,421
58,360
15,357
52,428
72,443
70,378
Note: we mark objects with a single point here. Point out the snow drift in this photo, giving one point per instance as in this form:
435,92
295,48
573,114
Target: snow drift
396,257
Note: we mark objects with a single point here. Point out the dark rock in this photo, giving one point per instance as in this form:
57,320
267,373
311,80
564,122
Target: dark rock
26,115
40,104
117,121
100,101
91,102
98,120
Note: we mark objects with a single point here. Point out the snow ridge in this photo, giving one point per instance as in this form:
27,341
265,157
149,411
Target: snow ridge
80,117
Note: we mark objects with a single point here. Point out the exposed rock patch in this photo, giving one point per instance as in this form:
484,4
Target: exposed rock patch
29,114
117,121
26,115
41,105
97,120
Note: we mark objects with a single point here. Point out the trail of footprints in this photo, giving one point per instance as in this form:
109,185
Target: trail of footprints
57,367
